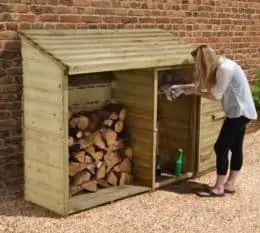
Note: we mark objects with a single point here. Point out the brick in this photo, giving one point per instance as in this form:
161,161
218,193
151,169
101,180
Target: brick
71,18
126,20
12,44
5,80
8,124
26,18
4,8
66,26
5,114
9,88
40,2
81,2
11,26
48,18
66,2
10,105
162,20
112,19
21,8
92,19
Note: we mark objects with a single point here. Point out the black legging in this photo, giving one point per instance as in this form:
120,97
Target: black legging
231,137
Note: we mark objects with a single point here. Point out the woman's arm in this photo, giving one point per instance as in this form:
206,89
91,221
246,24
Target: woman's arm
224,77
205,95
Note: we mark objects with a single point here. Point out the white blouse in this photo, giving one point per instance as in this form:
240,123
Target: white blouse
233,90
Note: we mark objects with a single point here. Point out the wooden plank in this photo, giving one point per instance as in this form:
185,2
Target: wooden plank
142,119
162,181
40,152
65,150
103,196
50,175
208,132
42,75
88,99
39,198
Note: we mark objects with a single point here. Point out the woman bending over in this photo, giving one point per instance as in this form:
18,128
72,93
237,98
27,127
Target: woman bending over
223,80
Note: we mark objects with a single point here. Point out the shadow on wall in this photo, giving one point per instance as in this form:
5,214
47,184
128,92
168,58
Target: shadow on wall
11,161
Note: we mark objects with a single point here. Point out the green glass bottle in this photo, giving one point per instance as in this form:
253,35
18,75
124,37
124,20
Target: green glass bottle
179,161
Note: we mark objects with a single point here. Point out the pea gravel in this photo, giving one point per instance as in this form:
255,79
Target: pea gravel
170,210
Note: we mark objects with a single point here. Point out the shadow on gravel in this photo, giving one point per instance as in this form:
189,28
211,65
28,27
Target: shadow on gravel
186,187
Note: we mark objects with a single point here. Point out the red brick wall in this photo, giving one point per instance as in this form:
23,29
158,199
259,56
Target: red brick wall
233,27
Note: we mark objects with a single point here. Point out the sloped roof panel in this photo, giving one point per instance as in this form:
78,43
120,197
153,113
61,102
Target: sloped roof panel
87,51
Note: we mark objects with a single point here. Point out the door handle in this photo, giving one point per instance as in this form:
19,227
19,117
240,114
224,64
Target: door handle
218,116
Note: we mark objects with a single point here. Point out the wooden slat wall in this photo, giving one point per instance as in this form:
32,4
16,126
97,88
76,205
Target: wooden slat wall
208,133
176,130
89,92
138,90
46,180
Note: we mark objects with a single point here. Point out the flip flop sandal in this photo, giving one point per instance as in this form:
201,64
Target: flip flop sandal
229,191
210,193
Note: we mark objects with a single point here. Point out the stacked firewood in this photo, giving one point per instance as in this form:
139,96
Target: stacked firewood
100,149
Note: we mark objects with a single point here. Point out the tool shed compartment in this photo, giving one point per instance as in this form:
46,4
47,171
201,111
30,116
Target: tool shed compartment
91,112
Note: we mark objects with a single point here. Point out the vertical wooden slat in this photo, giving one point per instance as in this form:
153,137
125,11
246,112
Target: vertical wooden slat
208,132
43,124
137,90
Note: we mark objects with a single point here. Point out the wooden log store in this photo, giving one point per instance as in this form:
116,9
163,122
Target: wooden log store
95,120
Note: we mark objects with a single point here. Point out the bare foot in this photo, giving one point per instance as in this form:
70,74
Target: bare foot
229,188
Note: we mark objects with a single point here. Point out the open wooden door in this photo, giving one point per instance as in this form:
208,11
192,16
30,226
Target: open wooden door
138,90
177,126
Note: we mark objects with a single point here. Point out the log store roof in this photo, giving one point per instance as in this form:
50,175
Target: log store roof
93,50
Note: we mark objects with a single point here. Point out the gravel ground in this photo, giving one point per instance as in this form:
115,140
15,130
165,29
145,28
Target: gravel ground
174,209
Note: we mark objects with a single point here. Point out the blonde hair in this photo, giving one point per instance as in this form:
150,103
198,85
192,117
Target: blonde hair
206,63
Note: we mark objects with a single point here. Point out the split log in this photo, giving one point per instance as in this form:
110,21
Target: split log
91,168
93,122
79,134
124,166
91,151
102,183
111,159
81,177
74,189
96,155
90,185
74,122
85,142
112,179
99,164
100,154
71,141
98,141
75,167
101,172
80,156
129,152
113,116
109,136
108,122
125,178
118,126
117,108
83,123
88,159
